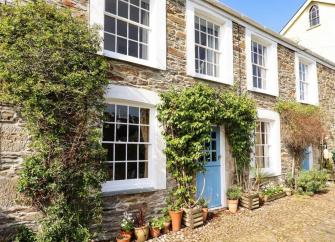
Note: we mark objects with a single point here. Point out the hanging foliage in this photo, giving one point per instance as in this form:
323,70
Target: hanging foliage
188,117
50,69
301,126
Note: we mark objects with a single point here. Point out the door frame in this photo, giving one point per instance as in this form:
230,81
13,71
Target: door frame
222,168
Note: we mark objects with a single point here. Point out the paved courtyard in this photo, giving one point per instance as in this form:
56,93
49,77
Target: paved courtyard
295,218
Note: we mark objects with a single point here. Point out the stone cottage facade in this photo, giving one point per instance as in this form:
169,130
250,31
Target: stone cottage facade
152,46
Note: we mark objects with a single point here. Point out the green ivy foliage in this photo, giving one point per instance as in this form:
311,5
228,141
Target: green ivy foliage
50,69
188,117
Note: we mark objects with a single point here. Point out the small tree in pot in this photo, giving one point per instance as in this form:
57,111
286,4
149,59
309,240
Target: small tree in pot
233,195
175,211
141,228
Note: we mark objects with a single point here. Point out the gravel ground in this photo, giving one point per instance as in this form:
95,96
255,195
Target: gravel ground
295,218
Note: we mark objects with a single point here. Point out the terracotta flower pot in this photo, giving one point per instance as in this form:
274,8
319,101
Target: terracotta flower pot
142,233
176,217
155,232
123,238
232,205
166,228
130,233
204,213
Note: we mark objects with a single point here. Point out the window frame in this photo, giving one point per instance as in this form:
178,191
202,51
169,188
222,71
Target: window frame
156,37
314,9
274,142
271,58
312,80
225,42
121,95
265,144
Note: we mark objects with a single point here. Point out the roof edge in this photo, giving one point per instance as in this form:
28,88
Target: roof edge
289,43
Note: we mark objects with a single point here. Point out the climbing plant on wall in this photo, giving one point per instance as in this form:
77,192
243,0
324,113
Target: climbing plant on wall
301,126
188,116
50,69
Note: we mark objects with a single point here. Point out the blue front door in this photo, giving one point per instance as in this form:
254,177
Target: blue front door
305,165
209,183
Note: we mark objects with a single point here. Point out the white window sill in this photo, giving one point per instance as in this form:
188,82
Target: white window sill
308,102
122,186
263,91
209,78
114,55
313,27
129,191
270,172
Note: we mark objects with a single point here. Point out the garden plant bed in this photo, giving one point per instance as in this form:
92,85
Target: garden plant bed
267,198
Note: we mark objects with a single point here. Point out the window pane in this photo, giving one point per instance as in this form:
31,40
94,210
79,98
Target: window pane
133,133
122,9
145,4
144,132
134,115
109,42
110,151
143,52
121,45
109,24
144,116
120,171
134,14
122,28
143,35
110,6
120,152
108,132
133,32
143,170
133,48
131,170
132,152
110,168
122,113
121,132
145,17
109,114
143,152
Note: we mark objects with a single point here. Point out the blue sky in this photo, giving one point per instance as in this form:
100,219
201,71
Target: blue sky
273,14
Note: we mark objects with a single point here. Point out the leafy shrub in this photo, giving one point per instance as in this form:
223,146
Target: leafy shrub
311,182
24,234
49,67
234,193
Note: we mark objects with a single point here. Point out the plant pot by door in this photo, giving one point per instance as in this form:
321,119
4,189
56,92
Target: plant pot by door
142,233
123,238
166,228
233,205
155,232
176,217
205,213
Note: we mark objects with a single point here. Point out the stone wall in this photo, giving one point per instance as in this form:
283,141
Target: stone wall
13,139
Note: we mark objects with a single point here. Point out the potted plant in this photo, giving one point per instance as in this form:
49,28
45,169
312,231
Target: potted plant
204,205
233,195
127,224
123,238
174,207
141,228
156,224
